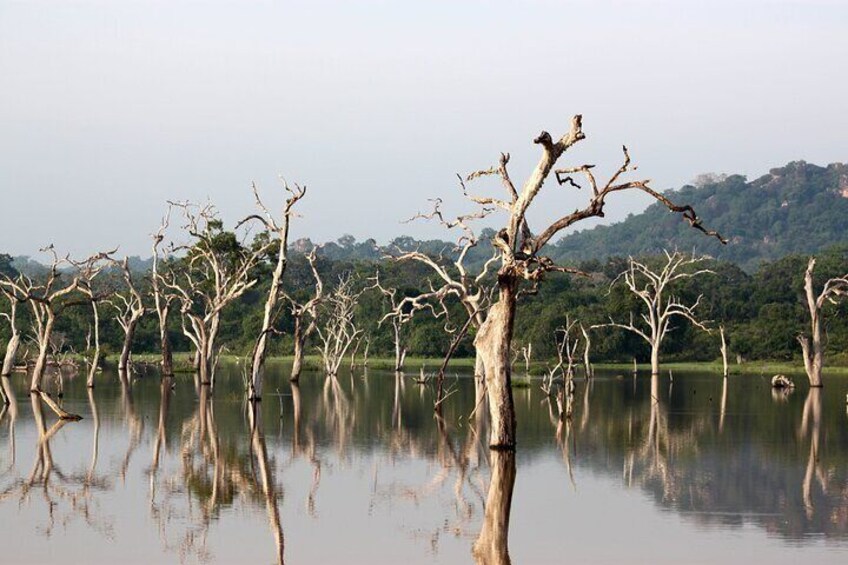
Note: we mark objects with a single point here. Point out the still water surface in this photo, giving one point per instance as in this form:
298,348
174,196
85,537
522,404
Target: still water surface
360,471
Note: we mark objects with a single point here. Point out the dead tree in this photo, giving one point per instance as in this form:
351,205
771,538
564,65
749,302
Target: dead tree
339,330
399,315
130,309
812,346
162,299
47,300
87,272
547,385
723,347
587,345
653,288
217,270
278,232
15,334
473,290
305,316
520,253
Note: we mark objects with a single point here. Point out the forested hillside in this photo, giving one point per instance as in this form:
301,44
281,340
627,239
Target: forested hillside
799,208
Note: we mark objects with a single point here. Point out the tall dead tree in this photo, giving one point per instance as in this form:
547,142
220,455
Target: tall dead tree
278,233
216,270
339,330
654,289
130,308
305,316
87,272
521,259
162,299
812,346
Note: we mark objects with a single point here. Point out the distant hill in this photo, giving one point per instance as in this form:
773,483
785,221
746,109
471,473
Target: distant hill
799,208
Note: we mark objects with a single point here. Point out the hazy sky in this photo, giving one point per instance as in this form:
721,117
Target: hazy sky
108,108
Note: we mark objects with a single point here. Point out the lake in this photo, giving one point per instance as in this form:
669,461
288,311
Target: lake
689,469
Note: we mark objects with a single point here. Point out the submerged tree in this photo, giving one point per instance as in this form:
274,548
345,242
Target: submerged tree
130,309
654,289
47,301
812,346
400,314
339,330
305,316
162,299
14,333
453,277
520,253
278,232
87,272
216,271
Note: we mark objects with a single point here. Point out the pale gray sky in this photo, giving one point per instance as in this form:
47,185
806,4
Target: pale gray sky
108,108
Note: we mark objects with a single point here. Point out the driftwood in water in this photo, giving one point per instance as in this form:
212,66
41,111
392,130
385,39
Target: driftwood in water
782,381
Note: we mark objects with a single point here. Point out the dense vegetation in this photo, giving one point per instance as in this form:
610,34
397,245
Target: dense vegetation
763,312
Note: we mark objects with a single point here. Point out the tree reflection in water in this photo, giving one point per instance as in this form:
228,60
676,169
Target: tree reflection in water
717,451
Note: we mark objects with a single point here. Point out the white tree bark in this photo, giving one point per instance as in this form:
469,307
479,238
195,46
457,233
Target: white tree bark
725,367
812,346
653,288
305,317
130,309
280,232
15,337
339,331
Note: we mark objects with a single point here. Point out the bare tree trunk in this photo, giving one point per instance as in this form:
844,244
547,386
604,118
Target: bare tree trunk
725,369
493,345
165,345
14,341
11,353
299,346
95,361
587,341
126,349
43,348
655,359
400,350
812,349
492,545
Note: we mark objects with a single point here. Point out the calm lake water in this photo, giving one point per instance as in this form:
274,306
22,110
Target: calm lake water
360,471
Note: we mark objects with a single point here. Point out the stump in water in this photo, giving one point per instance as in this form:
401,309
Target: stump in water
782,381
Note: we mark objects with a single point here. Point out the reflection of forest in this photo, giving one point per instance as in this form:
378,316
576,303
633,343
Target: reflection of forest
726,457
720,452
